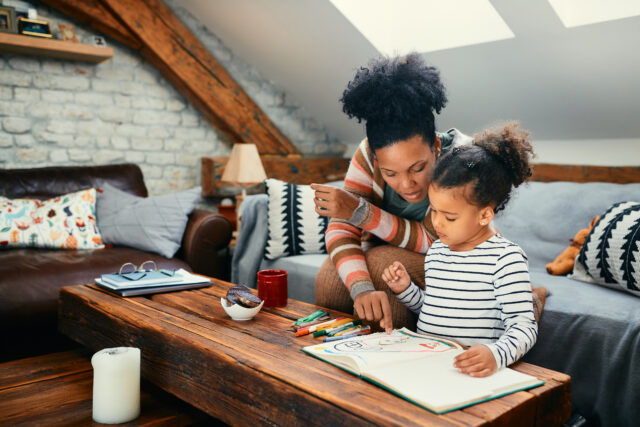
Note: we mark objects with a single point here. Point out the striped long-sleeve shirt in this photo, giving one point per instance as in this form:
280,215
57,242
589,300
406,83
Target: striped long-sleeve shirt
481,296
346,240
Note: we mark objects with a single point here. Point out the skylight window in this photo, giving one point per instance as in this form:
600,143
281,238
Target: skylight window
574,13
401,26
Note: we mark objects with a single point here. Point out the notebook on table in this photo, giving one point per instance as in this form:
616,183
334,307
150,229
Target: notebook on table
180,280
419,368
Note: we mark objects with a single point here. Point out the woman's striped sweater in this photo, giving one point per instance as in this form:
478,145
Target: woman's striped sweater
347,240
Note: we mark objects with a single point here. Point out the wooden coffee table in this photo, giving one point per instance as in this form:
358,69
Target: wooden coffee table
248,373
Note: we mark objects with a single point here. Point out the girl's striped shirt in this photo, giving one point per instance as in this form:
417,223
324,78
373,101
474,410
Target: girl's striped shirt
481,296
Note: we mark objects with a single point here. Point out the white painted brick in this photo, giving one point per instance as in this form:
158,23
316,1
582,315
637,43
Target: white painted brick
150,76
114,114
15,78
156,118
86,141
6,140
95,128
25,140
52,66
45,110
189,119
59,156
50,95
6,92
175,105
101,142
173,172
62,126
107,156
31,155
122,100
151,171
55,138
147,144
191,160
79,69
8,108
146,103
190,133
60,82
159,91
78,112
106,86
93,98
173,144
134,157
159,132
131,130
22,63
120,143
26,94
79,155
116,74
160,158
16,124
125,58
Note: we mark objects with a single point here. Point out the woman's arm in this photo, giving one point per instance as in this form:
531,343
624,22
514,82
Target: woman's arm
395,230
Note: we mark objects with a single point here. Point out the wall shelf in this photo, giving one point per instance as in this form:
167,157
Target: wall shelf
26,45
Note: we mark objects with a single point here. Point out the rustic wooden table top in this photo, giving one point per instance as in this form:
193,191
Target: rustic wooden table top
254,372
56,390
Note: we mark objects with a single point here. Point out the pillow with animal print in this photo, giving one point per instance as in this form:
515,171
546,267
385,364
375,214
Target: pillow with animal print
64,222
610,255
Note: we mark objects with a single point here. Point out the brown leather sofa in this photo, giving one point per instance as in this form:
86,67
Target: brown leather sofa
31,278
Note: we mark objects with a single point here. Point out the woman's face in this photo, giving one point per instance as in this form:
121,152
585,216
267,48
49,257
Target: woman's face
406,166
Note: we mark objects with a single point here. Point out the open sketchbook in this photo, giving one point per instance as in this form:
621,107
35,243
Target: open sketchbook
419,369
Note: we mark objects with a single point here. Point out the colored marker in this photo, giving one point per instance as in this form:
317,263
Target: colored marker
339,329
310,317
362,331
308,329
325,329
315,321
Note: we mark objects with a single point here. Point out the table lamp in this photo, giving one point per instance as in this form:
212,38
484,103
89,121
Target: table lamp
244,169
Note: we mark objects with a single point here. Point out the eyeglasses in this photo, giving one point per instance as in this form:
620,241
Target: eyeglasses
130,271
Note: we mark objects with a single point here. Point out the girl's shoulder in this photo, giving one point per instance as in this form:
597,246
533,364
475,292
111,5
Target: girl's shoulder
505,246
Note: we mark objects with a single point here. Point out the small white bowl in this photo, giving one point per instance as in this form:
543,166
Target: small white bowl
238,312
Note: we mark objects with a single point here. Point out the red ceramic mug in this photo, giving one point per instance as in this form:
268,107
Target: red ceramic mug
272,287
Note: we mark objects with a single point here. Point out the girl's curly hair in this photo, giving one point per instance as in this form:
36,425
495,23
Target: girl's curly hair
397,98
497,161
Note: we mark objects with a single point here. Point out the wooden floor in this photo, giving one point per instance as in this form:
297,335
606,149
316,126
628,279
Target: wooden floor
56,390
253,373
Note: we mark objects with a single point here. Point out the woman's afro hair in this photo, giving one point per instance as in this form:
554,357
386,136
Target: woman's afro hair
397,98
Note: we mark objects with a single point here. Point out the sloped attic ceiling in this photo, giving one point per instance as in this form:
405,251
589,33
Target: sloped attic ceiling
561,83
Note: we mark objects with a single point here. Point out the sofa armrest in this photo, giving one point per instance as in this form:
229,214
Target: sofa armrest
205,242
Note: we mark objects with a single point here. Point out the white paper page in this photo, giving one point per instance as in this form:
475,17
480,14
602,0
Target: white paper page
436,384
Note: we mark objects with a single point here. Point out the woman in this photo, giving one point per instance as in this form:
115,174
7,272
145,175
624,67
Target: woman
385,190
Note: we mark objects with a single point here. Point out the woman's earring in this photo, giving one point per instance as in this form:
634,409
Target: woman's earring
481,222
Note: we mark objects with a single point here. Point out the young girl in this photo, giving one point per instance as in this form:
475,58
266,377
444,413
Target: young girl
477,282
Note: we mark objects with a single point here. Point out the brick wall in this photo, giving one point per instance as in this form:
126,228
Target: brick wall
66,113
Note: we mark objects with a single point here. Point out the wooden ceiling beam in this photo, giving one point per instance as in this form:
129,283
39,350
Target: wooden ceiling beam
94,14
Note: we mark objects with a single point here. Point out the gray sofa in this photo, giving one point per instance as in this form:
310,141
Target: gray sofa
588,331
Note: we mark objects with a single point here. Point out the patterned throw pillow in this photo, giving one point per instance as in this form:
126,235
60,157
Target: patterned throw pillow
294,226
611,254
64,222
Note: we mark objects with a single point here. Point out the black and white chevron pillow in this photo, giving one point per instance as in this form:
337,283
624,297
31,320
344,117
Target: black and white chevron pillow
294,226
611,253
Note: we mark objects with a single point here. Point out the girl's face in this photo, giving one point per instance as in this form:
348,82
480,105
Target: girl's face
459,224
406,166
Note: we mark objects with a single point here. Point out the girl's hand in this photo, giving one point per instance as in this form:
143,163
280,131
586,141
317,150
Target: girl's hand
334,202
373,306
396,277
477,361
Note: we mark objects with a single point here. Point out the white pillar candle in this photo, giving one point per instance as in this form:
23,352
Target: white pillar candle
116,385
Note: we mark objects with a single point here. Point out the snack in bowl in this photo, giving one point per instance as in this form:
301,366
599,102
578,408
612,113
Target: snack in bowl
240,303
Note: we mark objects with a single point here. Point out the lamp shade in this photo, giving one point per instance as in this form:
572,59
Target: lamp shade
244,167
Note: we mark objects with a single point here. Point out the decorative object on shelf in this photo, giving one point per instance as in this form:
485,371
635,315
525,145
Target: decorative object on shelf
34,27
7,19
244,169
98,41
68,33
23,9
